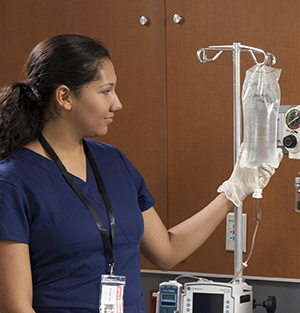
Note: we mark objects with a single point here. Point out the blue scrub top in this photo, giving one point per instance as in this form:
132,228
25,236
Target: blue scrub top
39,208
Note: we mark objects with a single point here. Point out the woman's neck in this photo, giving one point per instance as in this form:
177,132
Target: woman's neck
69,149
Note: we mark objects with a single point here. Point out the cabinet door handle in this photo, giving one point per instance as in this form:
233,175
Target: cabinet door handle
143,20
177,18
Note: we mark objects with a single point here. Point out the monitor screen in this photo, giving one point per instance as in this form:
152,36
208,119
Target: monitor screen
167,297
208,303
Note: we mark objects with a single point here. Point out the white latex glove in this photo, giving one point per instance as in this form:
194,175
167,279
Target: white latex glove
242,180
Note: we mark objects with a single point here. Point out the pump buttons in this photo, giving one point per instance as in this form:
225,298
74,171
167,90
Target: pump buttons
290,141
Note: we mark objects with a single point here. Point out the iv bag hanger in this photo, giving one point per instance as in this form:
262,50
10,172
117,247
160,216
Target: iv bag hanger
269,59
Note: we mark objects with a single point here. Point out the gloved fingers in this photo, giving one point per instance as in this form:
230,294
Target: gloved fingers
266,168
265,172
264,180
279,155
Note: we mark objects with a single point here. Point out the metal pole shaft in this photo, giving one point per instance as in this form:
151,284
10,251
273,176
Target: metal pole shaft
237,126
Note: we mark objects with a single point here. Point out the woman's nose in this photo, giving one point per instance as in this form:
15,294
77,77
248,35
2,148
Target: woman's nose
116,104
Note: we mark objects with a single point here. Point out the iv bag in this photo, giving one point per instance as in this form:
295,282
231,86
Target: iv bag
261,100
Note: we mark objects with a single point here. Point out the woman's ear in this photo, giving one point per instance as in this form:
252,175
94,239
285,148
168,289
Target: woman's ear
63,97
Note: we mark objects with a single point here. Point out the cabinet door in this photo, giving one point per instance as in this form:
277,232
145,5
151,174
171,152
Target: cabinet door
200,126
138,53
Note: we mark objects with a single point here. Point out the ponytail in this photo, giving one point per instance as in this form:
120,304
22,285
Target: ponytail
21,119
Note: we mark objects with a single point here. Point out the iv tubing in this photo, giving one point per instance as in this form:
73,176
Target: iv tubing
257,209
245,264
257,195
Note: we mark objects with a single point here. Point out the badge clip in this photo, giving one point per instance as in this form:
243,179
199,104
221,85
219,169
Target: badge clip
111,269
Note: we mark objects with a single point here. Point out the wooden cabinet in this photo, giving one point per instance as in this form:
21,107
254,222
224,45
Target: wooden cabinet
138,53
176,123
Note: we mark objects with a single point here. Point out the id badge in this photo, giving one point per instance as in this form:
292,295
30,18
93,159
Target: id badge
111,294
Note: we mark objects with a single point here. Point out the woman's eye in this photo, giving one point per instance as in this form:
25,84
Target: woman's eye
106,92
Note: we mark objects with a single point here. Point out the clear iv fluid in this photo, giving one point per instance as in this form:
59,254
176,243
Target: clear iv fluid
260,135
261,100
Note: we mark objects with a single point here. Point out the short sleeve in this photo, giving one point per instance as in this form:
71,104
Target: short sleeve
145,198
114,158
14,217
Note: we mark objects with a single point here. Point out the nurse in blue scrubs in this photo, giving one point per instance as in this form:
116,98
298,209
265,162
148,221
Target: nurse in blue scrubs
73,209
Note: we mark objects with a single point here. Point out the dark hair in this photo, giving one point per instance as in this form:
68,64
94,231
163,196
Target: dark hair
70,60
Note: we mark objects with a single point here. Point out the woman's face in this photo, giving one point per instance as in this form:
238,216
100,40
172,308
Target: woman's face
93,110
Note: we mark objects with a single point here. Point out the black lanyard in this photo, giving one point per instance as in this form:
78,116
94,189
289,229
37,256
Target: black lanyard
107,242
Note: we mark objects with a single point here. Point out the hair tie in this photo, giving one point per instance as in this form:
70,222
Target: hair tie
26,89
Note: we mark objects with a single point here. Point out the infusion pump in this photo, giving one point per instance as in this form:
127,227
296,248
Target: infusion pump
204,297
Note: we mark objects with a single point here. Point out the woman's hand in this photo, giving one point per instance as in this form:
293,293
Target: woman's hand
242,181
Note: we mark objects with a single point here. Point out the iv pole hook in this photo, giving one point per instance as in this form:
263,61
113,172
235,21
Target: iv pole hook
205,58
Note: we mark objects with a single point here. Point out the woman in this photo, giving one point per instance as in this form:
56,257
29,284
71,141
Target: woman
59,190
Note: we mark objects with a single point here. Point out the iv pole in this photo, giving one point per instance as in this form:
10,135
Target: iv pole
236,48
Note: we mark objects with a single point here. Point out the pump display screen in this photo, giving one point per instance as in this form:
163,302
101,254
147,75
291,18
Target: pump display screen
167,297
208,303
